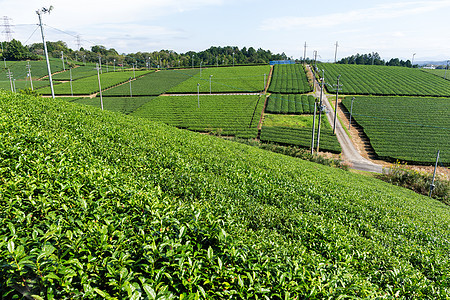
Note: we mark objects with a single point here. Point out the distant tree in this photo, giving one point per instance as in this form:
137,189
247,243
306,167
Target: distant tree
14,50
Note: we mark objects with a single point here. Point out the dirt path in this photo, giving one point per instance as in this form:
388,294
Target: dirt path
349,151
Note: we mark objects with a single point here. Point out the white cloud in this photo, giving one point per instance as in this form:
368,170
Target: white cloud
386,11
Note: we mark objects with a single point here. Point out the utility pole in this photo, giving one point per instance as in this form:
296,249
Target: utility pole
445,75
210,90
198,95
304,55
39,12
351,111
62,58
114,65
71,88
192,61
320,110
233,58
265,75
336,105
10,76
99,85
313,128
134,72
100,63
29,75
412,61
315,59
434,175
335,52
131,93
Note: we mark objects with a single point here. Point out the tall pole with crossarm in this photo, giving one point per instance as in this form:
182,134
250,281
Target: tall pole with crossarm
39,13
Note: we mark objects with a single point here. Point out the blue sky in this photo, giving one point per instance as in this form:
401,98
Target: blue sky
392,28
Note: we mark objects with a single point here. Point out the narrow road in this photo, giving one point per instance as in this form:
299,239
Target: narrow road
349,151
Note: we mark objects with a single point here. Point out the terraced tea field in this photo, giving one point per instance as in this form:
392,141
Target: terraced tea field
77,73
226,79
236,115
38,68
153,84
125,105
290,104
89,85
384,80
289,79
405,128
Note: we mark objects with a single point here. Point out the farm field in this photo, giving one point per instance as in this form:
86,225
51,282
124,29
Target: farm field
23,84
439,72
289,79
226,79
97,204
89,85
153,84
236,115
38,68
290,104
405,128
297,130
384,80
77,73
125,105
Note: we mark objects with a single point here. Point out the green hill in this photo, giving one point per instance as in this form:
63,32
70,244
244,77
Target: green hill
101,205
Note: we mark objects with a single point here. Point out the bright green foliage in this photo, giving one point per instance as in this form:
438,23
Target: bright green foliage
289,79
38,68
123,105
100,205
89,85
405,128
236,115
290,104
153,84
77,73
384,80
226,79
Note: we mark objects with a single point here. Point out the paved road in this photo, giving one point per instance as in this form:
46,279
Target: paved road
349,151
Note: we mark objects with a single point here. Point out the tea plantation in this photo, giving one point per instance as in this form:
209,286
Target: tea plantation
101,205
236,115
240,79
410,129
384,80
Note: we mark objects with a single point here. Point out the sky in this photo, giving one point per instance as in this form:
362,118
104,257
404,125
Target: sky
393,28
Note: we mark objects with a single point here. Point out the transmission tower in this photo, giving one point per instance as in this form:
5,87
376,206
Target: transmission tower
79,42
7,29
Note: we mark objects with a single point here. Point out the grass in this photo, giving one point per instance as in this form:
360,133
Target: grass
271,120
101,205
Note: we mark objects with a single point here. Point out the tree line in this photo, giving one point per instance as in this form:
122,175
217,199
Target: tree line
375,59
216,56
